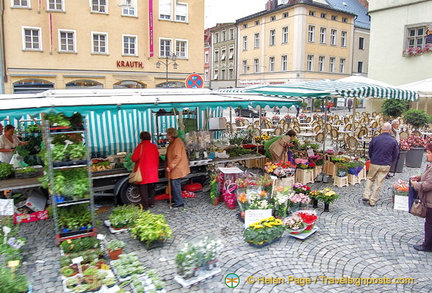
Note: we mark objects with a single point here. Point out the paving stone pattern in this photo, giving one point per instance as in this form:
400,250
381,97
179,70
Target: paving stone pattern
353,240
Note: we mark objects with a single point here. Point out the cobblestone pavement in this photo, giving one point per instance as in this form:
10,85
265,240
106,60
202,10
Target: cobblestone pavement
353,240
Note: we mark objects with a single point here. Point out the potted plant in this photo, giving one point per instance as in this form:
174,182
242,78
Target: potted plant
414,155
294,224
151,229
115,248
59,153
328,196
416,118
393,107
264,232
77,152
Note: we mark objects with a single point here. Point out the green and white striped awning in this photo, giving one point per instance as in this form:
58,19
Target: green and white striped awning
344,89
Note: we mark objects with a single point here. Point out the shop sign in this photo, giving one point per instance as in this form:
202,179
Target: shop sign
130,64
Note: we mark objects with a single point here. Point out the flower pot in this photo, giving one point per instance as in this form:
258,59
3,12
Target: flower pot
414,157
400,163
314,203
113,255
326,207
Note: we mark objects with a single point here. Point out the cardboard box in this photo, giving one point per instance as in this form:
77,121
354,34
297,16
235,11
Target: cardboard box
33,217
36,202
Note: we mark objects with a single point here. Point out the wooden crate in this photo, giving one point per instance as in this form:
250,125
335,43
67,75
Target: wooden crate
340,181
304,176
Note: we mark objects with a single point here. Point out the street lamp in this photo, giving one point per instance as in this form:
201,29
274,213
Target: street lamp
167,62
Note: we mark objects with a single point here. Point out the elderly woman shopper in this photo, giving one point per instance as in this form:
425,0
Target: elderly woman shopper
8,142
177,165
423,184
146,156
279,149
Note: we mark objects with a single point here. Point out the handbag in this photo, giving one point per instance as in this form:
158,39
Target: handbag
418,209
136,177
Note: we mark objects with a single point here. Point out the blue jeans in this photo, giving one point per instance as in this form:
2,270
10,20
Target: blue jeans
176,191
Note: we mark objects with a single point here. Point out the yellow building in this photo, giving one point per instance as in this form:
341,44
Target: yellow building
98,43
300,40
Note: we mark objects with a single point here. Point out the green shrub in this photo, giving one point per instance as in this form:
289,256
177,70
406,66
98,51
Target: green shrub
417,118
393,107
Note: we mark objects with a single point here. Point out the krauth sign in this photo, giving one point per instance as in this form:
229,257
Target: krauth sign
130,64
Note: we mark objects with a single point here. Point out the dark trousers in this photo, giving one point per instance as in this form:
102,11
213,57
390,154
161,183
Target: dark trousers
427,243
176,191
148,195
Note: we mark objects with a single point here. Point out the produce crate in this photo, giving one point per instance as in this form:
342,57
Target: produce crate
33,217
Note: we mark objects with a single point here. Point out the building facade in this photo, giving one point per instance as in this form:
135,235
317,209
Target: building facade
400,43
224,61
299,40
99,44
207,57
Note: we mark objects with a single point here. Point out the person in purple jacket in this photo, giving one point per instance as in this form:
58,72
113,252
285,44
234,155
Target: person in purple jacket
383,150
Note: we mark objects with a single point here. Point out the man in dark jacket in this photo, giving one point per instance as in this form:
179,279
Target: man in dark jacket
383,150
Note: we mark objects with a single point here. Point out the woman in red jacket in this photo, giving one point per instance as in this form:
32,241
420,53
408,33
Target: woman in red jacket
146,156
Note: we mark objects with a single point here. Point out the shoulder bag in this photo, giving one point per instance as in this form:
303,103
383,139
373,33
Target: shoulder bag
418,209
135,177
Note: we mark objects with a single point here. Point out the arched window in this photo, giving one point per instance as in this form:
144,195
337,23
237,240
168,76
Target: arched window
32,86
84,83
129,84
171,84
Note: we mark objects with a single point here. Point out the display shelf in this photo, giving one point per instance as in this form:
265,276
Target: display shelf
72,202
202,276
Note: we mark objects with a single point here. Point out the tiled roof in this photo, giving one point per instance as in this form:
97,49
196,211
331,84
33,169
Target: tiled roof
354,7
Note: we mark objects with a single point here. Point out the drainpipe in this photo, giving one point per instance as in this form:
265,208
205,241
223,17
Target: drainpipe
5,78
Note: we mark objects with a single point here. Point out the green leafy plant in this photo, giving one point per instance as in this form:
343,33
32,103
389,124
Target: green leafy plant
77,151
12,282
417,118
57,119
6,170
115,244
150,228
59,153
393,107
124,216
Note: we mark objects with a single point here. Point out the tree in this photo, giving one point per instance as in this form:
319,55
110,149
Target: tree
417,118
393,107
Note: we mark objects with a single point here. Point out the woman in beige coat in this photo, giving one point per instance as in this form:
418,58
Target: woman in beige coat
177,165
279,149
423,184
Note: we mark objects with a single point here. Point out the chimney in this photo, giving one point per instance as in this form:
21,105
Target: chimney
271,5
365,3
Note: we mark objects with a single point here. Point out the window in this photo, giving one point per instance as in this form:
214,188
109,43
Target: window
332,64
256,40
416,36
244,65
206,75
206,57
216,74
323,15
181,12
361,43
56,5
272,37
230,73
67,41
310,62
165,9
164,48
100,43
223,74
32,39
323,33
284,62
223,54
333,37
360,67
271,64
231,53
344,19
99,6
21,3
311,34
334,17
223,36
321,63
216,39
129,11
216,56
285,15
231,33
257,22
244,43
311,13
285,35
130,45
342,65
181,49
256,65
245,25
272,18
343,39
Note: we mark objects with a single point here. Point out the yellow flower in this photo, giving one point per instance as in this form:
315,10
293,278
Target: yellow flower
258,226
268,225
270,219
277,222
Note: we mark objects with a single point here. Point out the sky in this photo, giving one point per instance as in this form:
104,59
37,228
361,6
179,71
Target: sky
219,11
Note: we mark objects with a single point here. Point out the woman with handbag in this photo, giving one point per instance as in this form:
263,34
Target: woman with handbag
423,184
146,158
